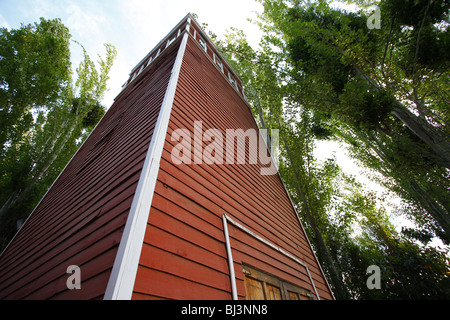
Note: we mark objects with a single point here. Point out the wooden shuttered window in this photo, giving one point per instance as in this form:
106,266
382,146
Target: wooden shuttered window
260,285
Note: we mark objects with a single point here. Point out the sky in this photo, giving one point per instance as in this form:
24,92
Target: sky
134,27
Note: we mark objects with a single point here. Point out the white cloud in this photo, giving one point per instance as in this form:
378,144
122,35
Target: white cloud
84,22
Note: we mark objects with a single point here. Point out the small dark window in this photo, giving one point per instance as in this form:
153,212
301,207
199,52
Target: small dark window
170,41
218,62
203,44
232,80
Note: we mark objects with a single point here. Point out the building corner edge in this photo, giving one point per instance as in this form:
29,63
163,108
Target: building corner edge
121,282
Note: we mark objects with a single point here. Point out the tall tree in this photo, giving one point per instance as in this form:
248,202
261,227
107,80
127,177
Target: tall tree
311,185
348,229
25,53
384,91
45,114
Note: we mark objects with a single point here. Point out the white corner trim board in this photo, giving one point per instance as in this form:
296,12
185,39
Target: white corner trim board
123,275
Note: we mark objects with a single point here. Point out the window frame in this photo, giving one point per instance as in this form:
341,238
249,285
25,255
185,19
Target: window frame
203,43
232,80
218,62
170,41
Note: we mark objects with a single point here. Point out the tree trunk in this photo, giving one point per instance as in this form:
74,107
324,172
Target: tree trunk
7,204
433,209
437,208
437,141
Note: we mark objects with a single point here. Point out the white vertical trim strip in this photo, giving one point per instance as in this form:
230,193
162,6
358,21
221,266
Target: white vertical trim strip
121,282
230,259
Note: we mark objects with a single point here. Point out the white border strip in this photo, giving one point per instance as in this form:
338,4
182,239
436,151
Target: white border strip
123,275
254,235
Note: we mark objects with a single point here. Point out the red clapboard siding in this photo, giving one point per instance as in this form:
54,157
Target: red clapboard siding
183,255
81,219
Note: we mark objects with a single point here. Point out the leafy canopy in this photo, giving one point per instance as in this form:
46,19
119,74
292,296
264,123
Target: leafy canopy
46,112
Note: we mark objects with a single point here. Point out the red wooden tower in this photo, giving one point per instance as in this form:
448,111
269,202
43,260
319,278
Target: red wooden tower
134,215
